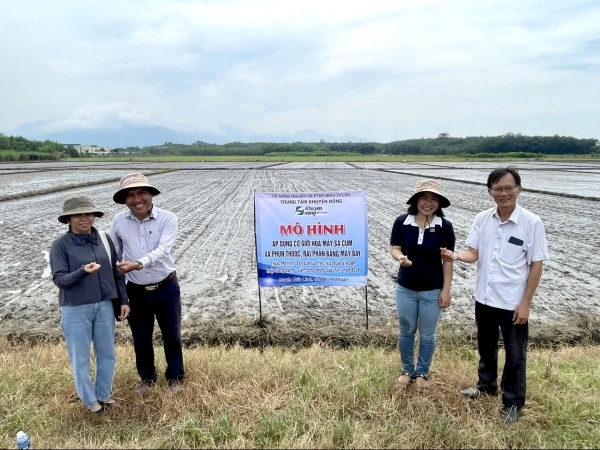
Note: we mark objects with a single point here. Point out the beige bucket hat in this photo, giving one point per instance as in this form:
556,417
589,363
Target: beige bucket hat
78,204
430,186
133,180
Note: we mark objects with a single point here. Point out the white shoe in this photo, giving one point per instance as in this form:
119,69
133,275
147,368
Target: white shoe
175,385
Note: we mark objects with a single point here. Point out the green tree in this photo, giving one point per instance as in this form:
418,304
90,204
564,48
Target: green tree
4,142
71,152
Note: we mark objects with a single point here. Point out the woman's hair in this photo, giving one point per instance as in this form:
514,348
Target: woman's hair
413,210
499,173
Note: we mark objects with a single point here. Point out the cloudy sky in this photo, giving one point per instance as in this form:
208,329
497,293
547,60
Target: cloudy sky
381,70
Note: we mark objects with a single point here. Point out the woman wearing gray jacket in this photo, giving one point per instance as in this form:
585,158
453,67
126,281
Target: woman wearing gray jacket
88,281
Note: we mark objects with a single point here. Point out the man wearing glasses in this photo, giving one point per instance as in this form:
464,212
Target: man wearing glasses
509,244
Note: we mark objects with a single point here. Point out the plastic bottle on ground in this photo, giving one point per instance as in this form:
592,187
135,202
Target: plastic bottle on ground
23,442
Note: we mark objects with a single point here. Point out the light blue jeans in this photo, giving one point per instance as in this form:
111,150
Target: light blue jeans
83,325
417,309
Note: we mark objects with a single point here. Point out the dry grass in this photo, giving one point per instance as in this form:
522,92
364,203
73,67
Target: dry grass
574,329
314,397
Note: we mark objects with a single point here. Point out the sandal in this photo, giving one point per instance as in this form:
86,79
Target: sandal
422,382
97,409
110,401
404,380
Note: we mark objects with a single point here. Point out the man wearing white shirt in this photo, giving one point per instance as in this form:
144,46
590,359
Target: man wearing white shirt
144,236
509,244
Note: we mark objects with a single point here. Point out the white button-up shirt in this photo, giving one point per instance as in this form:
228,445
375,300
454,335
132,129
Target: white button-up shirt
149,241
505,253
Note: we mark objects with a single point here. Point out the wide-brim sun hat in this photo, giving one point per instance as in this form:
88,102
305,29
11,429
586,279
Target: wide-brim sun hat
133,180
429,186
78,204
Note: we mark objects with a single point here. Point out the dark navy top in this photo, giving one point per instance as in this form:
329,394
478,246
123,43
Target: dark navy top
69,253
426,272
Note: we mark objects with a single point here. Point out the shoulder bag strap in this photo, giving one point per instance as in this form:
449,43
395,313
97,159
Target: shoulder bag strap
106,246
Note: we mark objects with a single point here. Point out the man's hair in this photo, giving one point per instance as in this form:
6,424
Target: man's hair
413,210
499,173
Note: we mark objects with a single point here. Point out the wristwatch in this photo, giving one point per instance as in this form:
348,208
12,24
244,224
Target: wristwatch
140,265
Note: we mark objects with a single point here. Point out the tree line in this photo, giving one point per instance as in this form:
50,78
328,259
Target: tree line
17,148
516,145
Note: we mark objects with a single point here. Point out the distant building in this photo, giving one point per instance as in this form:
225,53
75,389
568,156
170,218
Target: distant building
85,149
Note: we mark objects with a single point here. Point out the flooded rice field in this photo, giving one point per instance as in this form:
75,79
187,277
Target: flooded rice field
215,253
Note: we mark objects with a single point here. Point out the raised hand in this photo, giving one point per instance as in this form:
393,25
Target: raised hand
92,267
448,255
404,261
127,266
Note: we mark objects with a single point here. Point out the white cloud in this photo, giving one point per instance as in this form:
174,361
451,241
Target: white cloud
98,116
381,70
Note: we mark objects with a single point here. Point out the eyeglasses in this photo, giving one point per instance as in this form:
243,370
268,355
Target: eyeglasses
500,190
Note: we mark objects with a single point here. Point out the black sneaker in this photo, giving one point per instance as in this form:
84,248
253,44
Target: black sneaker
511,414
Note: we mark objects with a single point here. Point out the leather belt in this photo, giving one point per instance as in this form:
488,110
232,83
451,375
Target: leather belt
153,287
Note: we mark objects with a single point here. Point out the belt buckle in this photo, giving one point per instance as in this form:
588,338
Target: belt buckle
152,287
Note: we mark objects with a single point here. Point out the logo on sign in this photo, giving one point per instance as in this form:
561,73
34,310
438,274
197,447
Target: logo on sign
310,211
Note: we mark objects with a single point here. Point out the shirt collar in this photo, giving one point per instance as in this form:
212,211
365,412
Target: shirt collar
81,239
514,216
410,220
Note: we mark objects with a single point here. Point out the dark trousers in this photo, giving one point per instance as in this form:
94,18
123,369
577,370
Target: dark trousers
164,304
514,383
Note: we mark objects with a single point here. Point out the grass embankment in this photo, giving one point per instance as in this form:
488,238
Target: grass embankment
315,397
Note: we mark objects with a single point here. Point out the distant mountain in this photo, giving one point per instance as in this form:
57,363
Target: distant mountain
123,136
127,135
32,129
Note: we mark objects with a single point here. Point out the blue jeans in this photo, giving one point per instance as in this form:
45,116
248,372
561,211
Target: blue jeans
417,309
83,325
164,304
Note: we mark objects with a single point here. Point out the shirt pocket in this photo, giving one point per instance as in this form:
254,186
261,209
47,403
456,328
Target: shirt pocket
152,240
511,253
